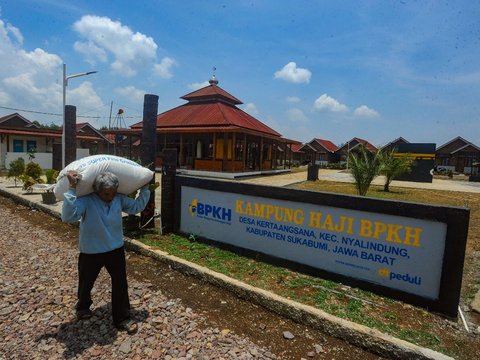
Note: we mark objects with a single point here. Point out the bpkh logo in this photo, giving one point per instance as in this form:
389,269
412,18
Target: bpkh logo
415,280
210,211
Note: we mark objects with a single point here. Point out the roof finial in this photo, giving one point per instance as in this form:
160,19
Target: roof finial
213,80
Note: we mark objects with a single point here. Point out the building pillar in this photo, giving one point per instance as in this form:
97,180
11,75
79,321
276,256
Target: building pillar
169,169
70,134
148,153
261,154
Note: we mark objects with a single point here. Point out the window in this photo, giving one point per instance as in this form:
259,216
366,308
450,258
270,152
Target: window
266,152
239,150
31,145
17,145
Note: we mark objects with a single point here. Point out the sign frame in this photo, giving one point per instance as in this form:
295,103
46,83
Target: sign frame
455,218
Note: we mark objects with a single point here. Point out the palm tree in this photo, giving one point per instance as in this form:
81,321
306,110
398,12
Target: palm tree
365,166
394,165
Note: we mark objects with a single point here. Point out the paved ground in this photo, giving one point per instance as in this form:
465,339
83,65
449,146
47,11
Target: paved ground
336,175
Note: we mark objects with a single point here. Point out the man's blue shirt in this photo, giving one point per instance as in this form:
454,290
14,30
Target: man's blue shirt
101,228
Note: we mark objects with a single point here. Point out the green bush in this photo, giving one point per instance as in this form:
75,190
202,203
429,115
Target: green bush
16,169
31,176
51,175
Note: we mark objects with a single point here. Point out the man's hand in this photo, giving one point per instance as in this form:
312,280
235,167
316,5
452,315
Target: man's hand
73,178
152,187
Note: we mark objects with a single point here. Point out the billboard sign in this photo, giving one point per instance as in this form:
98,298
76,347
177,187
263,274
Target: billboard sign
388,249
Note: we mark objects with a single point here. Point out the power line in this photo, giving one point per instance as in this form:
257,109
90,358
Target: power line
30,111
54,114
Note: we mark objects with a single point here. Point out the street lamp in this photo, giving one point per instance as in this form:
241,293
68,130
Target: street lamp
65,84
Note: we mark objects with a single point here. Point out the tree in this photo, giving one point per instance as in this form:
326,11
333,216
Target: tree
16,169
394,165
365,166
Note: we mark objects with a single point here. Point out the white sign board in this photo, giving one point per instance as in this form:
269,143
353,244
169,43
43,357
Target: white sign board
393,251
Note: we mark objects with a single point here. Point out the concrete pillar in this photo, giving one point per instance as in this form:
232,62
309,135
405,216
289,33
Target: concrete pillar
70,134
169,169
148,152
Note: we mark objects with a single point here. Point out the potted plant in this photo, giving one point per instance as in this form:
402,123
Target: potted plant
48,196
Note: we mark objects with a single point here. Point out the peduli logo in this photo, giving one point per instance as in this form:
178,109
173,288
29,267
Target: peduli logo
386,273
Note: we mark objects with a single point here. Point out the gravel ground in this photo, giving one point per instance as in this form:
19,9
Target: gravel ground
38,280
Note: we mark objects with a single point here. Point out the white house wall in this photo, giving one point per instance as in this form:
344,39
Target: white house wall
45,160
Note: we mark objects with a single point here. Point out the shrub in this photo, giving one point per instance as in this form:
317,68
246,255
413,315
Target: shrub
51,175
31,176
16,169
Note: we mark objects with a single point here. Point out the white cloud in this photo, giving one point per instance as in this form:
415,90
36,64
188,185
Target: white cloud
91,52
41,60
32,94
4,97
327,103
293,99
84,97
291,73
196,86
365,111
131,93
163,69
27,76
295,114
15,32
131,51
251,108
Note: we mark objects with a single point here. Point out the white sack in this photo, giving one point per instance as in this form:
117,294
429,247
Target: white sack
131,176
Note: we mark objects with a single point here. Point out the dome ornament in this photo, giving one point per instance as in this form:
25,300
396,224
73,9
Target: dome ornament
213,80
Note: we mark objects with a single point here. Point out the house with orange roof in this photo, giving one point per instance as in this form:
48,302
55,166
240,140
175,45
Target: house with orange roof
211,133
320,152
351,145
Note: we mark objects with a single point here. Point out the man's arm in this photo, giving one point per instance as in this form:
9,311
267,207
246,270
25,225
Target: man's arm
72,208
134,206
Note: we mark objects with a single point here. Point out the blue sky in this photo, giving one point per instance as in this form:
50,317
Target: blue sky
327,69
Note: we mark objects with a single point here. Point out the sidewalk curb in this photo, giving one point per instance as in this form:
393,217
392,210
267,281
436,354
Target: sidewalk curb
358,335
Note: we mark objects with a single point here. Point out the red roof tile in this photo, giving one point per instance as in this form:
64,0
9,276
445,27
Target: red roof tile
327,144
211,92
212,114
296,147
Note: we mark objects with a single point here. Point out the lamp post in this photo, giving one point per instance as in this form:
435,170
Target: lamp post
65,84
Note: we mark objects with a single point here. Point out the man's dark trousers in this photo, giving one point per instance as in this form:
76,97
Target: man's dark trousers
89,266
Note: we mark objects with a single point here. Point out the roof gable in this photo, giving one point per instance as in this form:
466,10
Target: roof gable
307,147
467,148
87,129
354,142
297,148
394,143
15,120
326,144
454,145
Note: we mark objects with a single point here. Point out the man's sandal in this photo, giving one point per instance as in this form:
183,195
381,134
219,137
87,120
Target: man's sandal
128,325
84,314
